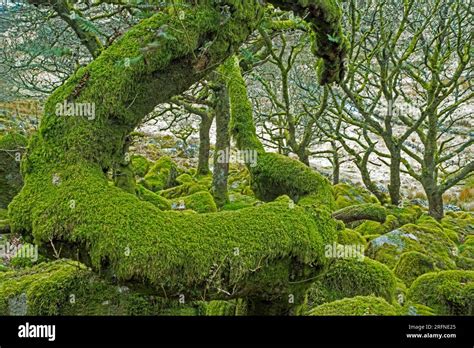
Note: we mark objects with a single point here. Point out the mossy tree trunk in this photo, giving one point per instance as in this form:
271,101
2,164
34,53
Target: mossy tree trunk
204,144
67,200
395,183
336,164
123,174
435,199
221,168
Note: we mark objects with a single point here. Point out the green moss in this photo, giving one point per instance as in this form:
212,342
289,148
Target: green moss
356,306
241,125
221,308
465,263
401,291
415,309
190,185
184,178
347,195
352,277
162,175
452,234
460,222
238,201
3,214
329,42
467,248
149,196
447,292
200,202
350,237
239,179
12,146
413,264
408,214
396,217
140,165
276,175
186,189
370,228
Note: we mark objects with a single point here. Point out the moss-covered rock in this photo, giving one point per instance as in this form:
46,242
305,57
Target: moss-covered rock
370,228
396,217
68,288
447,292
426,236
460,222
12,146
352,277
153,198
184,178
162,175
140,165
238,201
466,249
356,306
350,237
413,264
465,263
239,179
200,202
347,195
188,185
276,175
408,214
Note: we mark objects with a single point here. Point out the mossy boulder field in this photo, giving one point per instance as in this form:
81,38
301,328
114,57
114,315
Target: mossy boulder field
99,217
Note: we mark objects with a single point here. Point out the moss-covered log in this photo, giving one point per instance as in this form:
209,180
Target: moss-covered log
372,212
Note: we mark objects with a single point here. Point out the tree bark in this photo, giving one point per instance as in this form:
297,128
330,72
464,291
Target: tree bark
395,184
204,145
336,164
221,168
435,201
